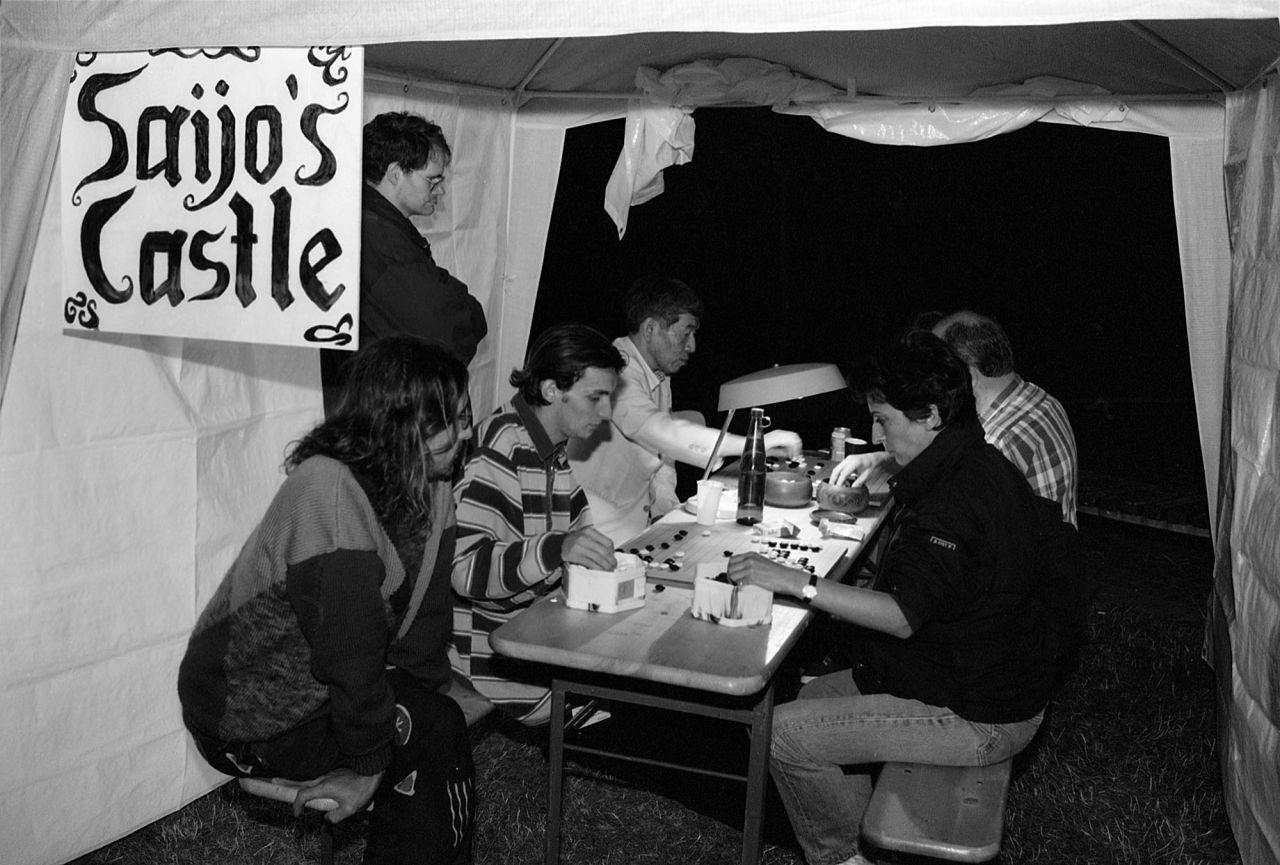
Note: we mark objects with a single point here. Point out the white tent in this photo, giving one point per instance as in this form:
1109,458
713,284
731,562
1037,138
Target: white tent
131,468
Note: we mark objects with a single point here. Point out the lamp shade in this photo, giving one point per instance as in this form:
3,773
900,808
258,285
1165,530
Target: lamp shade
780,383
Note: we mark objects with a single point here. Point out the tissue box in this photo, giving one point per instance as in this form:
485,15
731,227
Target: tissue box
726,604
606,591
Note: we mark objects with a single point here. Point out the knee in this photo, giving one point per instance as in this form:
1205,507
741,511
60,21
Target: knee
787,739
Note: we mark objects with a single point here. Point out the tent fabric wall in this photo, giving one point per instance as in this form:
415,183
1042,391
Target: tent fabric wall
1245,615
131,468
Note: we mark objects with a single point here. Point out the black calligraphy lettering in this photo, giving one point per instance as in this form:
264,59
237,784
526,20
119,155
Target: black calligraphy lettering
275,143
244,239
222,273
95,218
282,203
169,165
87,106
308,271
200,123
227,170
328,163
169,244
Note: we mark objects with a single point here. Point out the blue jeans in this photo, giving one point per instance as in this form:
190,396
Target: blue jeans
832,726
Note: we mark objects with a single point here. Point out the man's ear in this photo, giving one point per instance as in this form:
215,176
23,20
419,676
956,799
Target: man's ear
549,390
934,421
393,173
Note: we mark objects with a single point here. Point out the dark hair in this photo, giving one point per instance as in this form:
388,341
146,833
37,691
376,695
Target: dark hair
398,137
980,342
400,391
562,354
661,298
917,371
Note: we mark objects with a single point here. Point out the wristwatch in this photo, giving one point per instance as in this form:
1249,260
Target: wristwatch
810,591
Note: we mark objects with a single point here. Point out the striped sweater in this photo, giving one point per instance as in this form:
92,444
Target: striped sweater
319,602
517,500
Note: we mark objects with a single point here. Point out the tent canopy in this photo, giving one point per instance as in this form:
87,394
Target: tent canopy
98,436
1147,59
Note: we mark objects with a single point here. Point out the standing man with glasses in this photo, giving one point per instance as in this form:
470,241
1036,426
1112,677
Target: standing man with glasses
402,289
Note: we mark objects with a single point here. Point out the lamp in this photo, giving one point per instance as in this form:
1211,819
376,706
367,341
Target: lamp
775,384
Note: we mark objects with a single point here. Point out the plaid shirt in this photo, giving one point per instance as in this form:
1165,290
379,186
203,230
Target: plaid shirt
517,500
1031,429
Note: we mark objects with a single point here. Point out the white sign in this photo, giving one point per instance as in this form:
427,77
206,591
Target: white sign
215,193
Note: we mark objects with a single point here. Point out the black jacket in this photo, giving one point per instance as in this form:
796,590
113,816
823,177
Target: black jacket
403,290
960,561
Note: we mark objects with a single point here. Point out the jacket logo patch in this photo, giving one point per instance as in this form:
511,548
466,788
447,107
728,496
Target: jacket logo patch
946,545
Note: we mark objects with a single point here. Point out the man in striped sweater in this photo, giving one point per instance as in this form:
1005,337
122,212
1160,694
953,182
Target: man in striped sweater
521,514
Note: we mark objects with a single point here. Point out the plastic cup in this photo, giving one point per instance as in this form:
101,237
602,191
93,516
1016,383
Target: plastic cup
709,501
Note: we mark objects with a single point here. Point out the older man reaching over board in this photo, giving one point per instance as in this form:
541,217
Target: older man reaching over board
627,466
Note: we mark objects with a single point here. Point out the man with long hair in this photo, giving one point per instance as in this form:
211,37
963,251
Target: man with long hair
521,514
322,654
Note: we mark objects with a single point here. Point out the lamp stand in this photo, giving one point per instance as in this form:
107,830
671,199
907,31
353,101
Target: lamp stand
715,451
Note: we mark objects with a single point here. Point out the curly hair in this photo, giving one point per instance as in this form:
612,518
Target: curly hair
562,354
400,391
404,139
916,372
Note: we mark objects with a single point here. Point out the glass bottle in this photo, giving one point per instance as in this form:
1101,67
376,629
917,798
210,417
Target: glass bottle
751,472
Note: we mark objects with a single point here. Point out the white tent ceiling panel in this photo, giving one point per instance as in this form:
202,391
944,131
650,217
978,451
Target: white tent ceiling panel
141,464
924,62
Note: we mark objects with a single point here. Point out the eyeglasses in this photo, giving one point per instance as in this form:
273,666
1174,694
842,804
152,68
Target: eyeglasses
434,182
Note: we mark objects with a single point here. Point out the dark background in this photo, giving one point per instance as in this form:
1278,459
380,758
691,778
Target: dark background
808,246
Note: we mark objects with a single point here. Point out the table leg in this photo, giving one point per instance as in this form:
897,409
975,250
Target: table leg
555,773
757,777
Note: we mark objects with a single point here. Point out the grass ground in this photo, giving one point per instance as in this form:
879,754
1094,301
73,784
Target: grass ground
1125,771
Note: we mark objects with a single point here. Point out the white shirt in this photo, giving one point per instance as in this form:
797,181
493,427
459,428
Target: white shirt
627,466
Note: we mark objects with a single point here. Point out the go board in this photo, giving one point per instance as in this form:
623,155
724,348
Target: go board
672,550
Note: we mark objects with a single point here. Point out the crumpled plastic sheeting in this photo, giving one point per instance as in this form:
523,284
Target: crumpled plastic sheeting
921,124
659,135
924,124
656,137
737,80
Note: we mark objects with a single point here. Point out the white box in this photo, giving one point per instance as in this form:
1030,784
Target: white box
727,604
606,591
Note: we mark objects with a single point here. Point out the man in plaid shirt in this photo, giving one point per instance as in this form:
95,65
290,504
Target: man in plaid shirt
1028,425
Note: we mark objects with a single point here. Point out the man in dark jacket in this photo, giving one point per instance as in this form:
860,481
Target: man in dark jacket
951,663
402,289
